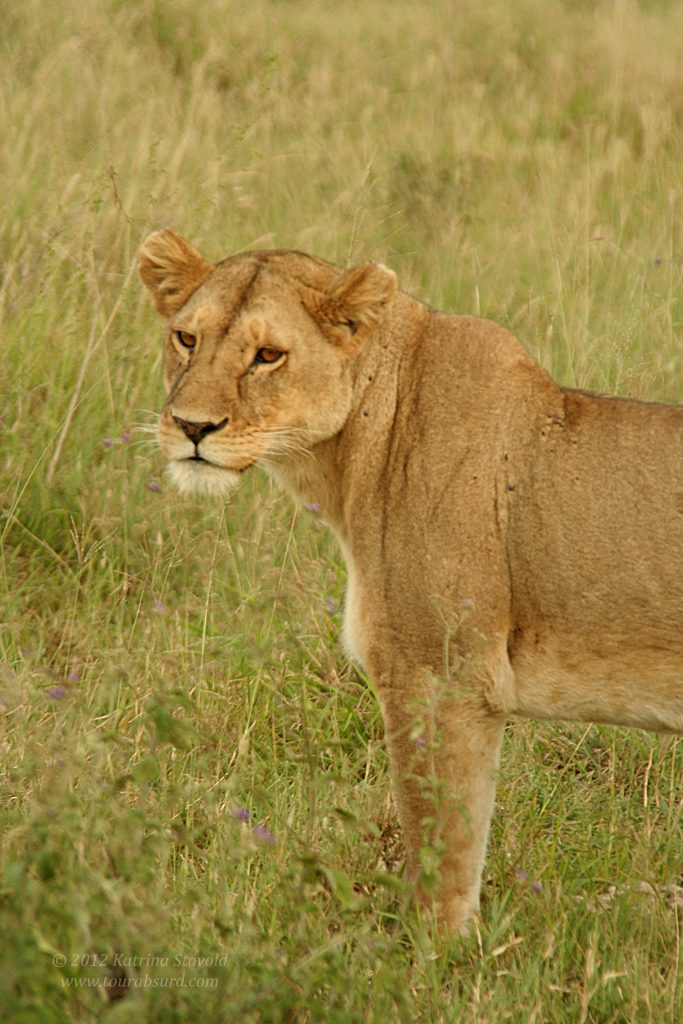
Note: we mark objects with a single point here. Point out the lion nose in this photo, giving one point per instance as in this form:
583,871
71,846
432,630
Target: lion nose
196,431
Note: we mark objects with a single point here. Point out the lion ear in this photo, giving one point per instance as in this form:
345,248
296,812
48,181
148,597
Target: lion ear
172,270
356,303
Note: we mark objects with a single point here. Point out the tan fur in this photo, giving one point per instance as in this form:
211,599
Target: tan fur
513,547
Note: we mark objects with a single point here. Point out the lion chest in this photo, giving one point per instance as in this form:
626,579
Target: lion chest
355,634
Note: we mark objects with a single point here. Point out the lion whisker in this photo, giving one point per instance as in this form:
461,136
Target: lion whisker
290,440
145,444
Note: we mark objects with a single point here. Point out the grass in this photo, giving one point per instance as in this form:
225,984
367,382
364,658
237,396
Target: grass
169,667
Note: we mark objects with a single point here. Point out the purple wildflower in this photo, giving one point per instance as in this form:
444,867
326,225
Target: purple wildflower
239,813
658,261
536,886
107,442
154,485
126,436
159,607
74,676
330,605
58,692
313,507
264,834
466,603
421,743
522,875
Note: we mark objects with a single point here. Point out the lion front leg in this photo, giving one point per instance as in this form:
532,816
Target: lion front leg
444,764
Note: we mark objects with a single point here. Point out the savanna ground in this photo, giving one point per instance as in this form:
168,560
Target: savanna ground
196,814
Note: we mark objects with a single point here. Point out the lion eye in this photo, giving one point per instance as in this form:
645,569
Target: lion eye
268,355
186,340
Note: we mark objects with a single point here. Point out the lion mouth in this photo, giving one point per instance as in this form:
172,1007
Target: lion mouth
216,465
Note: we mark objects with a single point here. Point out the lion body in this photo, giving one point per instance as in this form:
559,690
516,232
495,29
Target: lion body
513,547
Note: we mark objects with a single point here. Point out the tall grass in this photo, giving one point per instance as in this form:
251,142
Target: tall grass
190,768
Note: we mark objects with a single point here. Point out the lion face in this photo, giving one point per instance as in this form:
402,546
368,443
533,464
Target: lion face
258,354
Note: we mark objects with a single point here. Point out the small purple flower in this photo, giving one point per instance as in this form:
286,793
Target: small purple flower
522,875
126,436
264,834
153,485
313,507
58,692
239,813
536,887
466,603
107,442
658,261
159,607
330,605
74,676
422,744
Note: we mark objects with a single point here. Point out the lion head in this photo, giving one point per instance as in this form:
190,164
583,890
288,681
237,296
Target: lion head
258,353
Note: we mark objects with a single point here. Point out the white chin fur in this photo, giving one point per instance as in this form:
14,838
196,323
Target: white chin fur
192,477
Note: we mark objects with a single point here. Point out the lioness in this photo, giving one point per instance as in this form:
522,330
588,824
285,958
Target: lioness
513,547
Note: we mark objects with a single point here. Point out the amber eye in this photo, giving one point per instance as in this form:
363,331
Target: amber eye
186,340
268,355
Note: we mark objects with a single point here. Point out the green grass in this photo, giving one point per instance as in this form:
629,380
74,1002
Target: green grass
166,663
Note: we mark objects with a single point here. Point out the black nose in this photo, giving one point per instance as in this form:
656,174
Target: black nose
196,431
